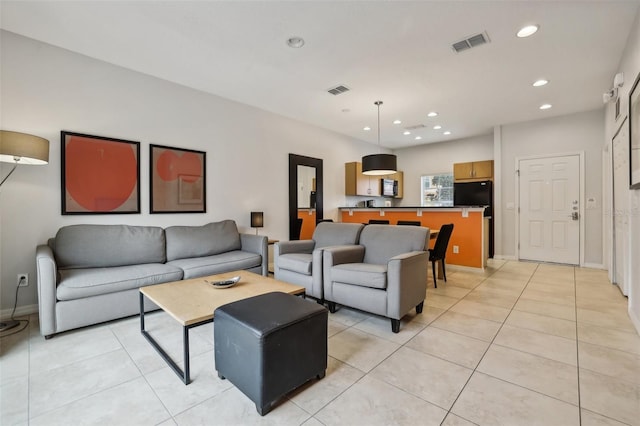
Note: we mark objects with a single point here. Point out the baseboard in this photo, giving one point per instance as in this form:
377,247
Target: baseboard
503,257
593,265
5,314
634,319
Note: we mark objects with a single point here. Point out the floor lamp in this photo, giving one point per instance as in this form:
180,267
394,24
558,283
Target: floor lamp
20,148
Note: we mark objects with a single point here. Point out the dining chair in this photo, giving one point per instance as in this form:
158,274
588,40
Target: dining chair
439,251
378,222
409,222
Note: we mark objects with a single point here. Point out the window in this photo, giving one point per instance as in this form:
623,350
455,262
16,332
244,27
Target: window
437,190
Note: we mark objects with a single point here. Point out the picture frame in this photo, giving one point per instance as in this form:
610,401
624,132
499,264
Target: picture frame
177,181
99,175
634,135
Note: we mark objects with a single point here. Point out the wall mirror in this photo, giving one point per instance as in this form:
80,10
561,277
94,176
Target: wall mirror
305,195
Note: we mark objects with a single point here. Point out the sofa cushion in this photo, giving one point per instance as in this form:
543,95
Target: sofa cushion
98,246
223,262
81,283
336,234
185,242
362,274
296,262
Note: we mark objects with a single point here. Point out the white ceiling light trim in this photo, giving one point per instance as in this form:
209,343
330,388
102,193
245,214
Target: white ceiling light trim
527,31
540,83
545,106
295,42
432,114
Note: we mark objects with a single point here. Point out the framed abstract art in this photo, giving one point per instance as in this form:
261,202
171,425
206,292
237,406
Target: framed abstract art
100,175
178,180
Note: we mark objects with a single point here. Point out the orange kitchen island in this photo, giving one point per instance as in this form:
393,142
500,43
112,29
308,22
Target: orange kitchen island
470,228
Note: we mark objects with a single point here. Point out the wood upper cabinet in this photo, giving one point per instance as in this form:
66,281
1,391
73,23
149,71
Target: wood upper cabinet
476,170
356,183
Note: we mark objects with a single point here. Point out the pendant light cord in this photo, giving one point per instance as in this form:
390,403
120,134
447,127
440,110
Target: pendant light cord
378,103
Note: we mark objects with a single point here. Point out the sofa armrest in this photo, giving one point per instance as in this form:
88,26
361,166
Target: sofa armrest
406,282
47,281
256,244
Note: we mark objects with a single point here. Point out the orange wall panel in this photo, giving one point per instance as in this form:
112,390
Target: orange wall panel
308,223
467,231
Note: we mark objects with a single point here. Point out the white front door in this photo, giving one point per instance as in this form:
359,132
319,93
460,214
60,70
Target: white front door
549,201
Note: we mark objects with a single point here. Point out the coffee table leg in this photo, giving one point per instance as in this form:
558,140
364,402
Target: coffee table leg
185,376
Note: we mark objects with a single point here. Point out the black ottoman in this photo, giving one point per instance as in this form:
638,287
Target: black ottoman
268,345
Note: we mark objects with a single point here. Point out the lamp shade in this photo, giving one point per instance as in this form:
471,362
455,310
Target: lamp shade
22,148
379,164
257,219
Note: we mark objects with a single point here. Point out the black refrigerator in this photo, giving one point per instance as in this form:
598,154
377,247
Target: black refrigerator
476,194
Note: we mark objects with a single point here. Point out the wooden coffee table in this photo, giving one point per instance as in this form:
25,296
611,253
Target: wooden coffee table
192,302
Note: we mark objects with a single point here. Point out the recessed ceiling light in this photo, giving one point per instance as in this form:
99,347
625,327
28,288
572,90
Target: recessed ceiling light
541,82
437,127
432,114
406,132
366,128
447,133
418,138
397,121
545,106
527,31
295,42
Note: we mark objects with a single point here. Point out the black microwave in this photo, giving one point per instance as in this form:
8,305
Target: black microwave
389,187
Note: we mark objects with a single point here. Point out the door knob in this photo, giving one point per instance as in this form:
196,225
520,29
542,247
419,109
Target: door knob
574,216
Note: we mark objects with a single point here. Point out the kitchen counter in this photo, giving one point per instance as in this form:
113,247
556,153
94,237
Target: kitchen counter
469,243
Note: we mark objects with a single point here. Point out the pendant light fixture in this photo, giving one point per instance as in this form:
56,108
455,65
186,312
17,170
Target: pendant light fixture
379,164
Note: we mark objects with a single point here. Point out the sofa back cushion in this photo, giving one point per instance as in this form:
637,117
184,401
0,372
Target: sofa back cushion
197,241
382,242
336,234
100,246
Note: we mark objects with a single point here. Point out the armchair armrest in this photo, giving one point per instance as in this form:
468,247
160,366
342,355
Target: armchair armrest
337,255
256,244
47,272
406,282
296,246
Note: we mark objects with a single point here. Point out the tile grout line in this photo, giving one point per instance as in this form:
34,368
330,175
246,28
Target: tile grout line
490,343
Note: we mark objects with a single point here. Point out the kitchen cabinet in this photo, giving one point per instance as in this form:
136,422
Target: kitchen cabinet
476,170
356,183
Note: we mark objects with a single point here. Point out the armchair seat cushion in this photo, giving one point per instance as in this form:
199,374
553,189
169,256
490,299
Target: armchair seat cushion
296,262
362,274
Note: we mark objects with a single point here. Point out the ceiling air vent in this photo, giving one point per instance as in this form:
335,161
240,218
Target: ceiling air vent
469,42
415,127
338,90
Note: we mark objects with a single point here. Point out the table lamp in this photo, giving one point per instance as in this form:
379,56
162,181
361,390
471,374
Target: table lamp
257,220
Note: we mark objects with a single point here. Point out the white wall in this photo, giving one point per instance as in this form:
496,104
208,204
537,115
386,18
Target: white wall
438,158
45,89
566,134
630,66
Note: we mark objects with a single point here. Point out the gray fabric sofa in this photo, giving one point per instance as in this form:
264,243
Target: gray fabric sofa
386,274
89,274
300,262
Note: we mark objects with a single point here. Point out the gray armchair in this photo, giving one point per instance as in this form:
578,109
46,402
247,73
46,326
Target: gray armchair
386,274
300,262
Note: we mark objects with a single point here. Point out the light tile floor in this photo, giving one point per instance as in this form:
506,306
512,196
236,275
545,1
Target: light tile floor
522,343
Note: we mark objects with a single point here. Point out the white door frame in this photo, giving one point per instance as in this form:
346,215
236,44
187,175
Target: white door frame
580,154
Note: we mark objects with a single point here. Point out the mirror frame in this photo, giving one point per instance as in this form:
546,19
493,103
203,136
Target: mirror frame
300,160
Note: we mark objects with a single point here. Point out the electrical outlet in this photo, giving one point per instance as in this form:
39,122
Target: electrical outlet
23,280
456,249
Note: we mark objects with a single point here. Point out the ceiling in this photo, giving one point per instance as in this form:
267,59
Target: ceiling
395,51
